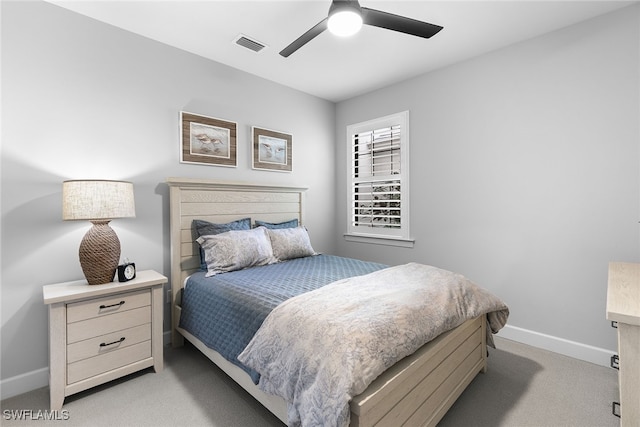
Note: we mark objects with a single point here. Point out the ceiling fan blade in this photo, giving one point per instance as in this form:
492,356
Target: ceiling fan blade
399,23
305,38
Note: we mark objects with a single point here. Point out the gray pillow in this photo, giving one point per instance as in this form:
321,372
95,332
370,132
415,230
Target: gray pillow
292,223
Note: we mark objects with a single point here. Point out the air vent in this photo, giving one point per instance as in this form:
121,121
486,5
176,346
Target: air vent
250,44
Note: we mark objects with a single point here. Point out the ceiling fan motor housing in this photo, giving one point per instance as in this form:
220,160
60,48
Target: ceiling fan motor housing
344,5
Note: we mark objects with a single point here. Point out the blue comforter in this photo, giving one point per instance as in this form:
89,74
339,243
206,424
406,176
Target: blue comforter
226,310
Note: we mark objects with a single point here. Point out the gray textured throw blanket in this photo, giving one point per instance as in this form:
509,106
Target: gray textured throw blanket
321,348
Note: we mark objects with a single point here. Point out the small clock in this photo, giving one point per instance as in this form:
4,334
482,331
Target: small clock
126,272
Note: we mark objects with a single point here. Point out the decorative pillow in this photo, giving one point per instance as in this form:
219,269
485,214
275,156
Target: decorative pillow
205,228
236,249
288,243
293,223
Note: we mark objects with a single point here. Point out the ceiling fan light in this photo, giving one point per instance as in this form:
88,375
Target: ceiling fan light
345,23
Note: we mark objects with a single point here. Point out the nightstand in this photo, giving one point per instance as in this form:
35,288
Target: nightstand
98,333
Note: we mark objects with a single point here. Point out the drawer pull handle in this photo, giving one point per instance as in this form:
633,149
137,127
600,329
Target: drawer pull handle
615,409
112,343
615,361
112,305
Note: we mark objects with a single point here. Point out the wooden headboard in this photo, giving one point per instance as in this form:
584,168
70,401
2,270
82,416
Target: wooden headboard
218,202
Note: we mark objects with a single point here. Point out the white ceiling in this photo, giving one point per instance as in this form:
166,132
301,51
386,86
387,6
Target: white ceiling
330,67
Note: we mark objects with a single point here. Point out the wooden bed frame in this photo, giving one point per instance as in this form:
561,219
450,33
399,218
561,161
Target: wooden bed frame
417,390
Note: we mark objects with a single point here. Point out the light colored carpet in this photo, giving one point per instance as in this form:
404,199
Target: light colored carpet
524,386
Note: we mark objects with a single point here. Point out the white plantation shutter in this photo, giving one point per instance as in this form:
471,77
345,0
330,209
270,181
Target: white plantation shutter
378,178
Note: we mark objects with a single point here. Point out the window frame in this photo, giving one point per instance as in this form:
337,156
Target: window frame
380,235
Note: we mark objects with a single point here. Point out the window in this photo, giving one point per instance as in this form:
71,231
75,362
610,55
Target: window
379,180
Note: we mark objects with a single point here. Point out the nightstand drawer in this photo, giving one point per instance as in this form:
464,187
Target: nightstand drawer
98,326
108,343
93,366
107,305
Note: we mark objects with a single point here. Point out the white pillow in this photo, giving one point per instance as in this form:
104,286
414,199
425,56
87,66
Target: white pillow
288,243
236,249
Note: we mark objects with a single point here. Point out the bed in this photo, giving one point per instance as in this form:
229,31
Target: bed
416,390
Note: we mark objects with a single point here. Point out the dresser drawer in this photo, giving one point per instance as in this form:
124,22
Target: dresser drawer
108,343
103,325
93,366
107,305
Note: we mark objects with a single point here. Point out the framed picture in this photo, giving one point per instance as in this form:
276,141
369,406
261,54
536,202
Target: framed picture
271,150
208,141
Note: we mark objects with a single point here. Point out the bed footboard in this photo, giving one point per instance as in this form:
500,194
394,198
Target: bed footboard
420,389
417,391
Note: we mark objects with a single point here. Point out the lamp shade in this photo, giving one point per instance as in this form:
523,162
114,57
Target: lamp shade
97,200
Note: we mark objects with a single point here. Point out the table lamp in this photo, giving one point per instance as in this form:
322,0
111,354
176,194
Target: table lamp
98,201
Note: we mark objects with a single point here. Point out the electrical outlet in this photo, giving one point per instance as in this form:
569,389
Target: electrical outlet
168,296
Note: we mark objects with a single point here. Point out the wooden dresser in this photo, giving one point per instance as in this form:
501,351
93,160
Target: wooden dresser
623,307
98,333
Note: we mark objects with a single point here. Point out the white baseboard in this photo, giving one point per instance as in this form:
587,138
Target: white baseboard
40,378
24,383
587,353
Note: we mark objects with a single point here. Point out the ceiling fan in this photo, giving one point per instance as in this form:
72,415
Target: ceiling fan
347,16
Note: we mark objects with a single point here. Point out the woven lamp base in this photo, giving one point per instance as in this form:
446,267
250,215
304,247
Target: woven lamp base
99,253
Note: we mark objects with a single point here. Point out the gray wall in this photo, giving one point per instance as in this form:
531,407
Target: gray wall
525,172
82,99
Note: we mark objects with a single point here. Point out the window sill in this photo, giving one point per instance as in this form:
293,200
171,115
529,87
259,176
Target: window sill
380,240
